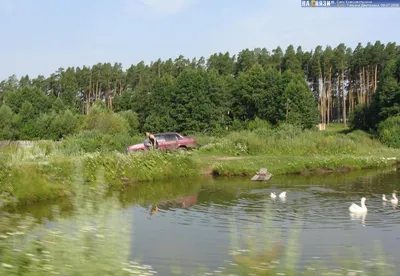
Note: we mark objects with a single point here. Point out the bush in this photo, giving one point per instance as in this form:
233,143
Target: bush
106,122
287,139
141,166
94,140
6,123
133,121
258,124
359,118
389,132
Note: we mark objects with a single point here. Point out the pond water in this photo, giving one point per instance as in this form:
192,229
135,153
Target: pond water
193,222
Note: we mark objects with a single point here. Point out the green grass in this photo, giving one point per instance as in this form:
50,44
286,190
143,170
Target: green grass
86,243
292,141
278,165
43,170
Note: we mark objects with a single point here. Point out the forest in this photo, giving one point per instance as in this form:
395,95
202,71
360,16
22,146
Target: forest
359,87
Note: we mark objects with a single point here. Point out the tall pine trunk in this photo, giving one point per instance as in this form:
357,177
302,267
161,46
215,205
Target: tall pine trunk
368,87
376,77
88,96
344,99
338,98
329,96
364,86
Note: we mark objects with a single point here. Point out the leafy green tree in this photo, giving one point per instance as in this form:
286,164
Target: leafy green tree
192,108
269,102
133,121
301,107
250,87
6,123
389,131
225,90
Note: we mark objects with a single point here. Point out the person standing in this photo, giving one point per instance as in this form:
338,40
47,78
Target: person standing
153,140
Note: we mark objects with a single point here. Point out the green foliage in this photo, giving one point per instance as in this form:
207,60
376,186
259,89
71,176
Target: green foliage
389,131
133,121
37,98
287,139
301,107
94,140
6,123
359,118
34,182
56,126
41,170
385,102
211,96
58,105
106,122
146,166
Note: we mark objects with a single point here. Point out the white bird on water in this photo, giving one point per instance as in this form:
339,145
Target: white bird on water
282,195
394,198
354,208
273,195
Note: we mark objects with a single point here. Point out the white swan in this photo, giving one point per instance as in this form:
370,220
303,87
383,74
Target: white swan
394,198
282,195
354,208
273,195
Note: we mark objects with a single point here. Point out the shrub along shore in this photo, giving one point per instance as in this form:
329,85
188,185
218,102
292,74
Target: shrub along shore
46,169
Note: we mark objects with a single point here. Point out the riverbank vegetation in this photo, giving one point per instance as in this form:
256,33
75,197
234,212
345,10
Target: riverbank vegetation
213,96
42,170
251,110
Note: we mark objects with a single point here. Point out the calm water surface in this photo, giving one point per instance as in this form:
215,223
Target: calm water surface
193,224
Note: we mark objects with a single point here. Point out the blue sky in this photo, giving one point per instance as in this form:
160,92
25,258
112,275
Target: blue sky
39,36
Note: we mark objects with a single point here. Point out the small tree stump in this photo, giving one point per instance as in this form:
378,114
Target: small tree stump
262,175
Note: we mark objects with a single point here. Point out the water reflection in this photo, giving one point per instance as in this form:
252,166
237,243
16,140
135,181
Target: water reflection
359,216
193,218
320,202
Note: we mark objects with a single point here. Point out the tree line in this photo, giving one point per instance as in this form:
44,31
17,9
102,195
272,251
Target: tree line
223,91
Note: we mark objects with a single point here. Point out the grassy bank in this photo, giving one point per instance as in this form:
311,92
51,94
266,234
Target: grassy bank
278,165
35,180
43,170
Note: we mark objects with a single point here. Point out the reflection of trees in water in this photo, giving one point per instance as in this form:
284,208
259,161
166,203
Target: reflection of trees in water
155,192
223,193
180,202
384,182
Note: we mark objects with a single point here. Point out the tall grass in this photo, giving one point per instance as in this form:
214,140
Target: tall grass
95,141
297,165
143,166
288,140
42,170
25,182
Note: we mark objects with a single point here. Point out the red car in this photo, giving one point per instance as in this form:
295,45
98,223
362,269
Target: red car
166,140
